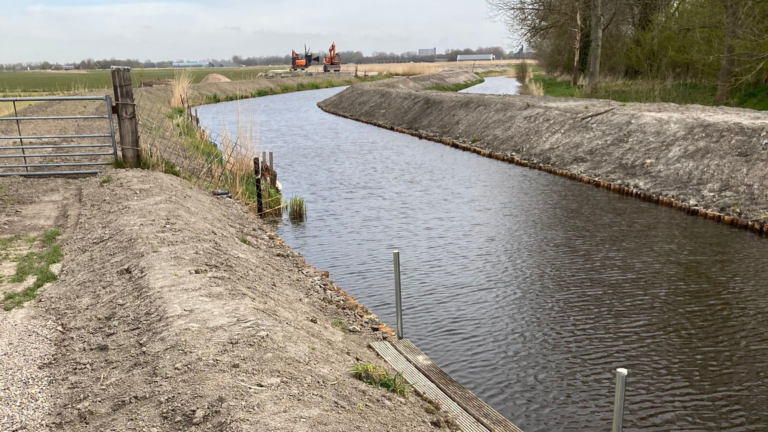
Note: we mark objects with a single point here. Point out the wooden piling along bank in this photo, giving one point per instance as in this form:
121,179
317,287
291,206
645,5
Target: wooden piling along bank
757,227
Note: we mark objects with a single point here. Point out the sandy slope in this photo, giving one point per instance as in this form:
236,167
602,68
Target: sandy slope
169,321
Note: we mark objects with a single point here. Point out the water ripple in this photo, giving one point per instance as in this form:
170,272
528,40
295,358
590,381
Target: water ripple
527,288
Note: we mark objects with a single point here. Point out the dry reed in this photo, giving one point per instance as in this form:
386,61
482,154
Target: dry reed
402,69
532,88
180,88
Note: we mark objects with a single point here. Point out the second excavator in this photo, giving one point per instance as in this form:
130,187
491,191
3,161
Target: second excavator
332,63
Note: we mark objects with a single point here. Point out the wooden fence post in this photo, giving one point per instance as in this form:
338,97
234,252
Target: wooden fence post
126,115
257,172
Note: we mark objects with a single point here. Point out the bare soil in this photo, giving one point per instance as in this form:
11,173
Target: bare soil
712,157
177,310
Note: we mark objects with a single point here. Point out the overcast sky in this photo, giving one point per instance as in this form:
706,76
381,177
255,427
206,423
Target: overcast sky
69,30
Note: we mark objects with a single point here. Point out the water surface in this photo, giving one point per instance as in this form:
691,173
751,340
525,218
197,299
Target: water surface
528,288
495,85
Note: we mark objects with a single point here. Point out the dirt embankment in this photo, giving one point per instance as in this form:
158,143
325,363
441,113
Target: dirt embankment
178,311
198,92
689,157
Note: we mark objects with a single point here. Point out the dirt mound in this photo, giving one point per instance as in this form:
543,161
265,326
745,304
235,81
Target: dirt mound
178,311
214,78
423,82
713,157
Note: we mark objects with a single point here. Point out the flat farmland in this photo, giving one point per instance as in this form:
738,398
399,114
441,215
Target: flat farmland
80,80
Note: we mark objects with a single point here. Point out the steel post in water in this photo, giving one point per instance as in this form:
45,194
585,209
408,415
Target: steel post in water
618,404
398,303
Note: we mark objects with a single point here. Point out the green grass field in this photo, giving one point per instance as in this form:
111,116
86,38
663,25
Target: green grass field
684,93
79,81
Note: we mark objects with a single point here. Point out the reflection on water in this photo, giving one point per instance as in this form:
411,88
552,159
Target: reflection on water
527,288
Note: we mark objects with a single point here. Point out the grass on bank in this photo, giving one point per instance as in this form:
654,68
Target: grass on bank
221,165
457,87
288,88
341,325
377,377
684,93
34,264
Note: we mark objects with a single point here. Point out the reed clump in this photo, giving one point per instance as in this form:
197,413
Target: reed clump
533,88
180,88
297,212
523,73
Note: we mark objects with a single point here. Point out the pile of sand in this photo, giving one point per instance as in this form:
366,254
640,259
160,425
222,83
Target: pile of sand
214,78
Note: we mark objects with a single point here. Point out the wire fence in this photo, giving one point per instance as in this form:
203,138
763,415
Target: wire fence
173,142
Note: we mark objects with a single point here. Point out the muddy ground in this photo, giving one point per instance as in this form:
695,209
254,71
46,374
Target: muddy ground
712,157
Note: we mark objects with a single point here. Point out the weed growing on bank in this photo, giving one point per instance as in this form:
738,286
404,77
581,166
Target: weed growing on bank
341,325
37,265
457,87
378,377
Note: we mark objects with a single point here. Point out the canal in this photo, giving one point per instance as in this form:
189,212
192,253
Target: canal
529,289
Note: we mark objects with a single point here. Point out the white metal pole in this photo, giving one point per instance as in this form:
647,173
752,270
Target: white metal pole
618,403
398,303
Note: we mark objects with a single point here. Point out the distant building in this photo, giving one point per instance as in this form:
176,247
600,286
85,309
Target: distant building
68,67
427,52
476,57
189,64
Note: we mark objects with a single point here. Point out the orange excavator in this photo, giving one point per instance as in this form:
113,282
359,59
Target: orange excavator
332,63
298,63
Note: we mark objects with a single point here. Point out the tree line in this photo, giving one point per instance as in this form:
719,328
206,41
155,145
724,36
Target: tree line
357,57
349,57
707,41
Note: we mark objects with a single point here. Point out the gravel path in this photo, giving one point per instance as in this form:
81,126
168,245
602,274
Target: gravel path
26,344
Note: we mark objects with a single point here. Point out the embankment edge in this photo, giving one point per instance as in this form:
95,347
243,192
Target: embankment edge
754,226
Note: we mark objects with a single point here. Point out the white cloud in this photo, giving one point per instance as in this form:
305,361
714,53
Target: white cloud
78,29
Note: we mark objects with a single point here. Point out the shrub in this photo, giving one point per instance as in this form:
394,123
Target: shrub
522,72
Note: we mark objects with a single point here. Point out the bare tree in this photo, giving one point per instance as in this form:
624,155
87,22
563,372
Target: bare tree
535,19
595,49
576,73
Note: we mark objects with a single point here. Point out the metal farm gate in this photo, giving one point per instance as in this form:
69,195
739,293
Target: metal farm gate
56,154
